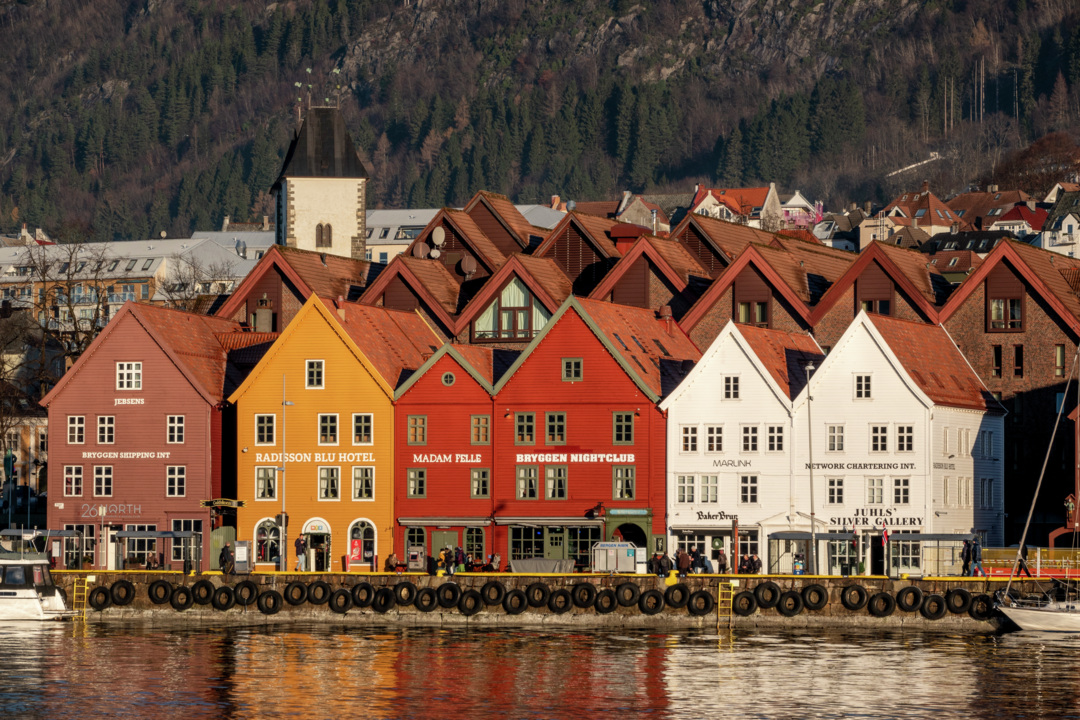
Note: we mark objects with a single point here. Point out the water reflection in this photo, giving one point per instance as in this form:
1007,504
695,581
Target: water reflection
60,671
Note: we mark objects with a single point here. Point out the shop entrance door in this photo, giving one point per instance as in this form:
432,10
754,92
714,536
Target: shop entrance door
443,539
318,553
555,543
877,556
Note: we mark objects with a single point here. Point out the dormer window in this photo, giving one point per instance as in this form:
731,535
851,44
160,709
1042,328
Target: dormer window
515,315
920,212
1004,301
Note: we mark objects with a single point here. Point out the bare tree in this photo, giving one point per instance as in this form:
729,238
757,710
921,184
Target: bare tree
190,276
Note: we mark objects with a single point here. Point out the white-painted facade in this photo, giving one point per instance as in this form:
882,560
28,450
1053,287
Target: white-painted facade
306,203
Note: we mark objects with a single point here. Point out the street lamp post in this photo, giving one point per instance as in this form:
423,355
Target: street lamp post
283,550
810,444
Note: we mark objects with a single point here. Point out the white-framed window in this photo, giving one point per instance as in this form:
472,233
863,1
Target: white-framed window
129,376
901,491
714,438
965,492
684,488
945,441
185,525
175,481
363,482
528,482
555,482
73,480
264,429
749,438
480,482
836,491
363,428
731,387
748,487
314,375
689,439
948,492
776,438
875,491
879,438
266,482
103,477
416,487
174,434
328,429
963,441
710,489
862,387
624,480
329,483
905,438
836,438
76,429
106,429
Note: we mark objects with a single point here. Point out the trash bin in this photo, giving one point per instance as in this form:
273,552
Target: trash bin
845,569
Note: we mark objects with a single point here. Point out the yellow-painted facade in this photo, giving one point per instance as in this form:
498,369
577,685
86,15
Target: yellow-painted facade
315,406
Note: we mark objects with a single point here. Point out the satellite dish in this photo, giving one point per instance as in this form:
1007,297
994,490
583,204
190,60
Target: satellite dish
571,206
163,233
435,253
420,250
438,236
468,264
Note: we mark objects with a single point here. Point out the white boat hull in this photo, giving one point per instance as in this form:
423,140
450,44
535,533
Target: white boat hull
1056,617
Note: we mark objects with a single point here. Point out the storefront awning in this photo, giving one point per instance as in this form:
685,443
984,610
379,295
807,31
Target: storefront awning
805,535
154,534
34,533
543,521
448,521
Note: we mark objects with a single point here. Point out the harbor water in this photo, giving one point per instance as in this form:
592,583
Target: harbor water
77,671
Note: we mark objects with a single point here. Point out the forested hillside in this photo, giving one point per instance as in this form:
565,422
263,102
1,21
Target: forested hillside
122,119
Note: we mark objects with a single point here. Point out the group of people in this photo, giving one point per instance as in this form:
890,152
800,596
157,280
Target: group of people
694,561
452,560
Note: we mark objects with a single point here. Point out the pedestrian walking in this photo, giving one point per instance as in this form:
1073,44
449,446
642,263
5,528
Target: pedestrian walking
965,557
225,560
976,557
1023,560
301,554
682,560
721,562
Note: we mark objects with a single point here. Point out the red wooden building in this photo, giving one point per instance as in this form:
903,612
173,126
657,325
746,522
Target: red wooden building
139,438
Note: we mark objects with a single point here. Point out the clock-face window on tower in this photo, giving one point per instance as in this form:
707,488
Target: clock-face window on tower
323,235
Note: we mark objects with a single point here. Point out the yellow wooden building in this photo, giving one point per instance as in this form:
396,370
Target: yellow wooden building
315,436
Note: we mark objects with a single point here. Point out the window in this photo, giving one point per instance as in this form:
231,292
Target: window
147,264
710,489
836,438
905,438
525,428
73,480
624,482
76,429
527,482
901,491
748,490
415,537
731,387
106,429
556,428
1006,314
714,438
526,542
79,549
417,430
178,545
139,550
1059,360
965,492
997,361
748,543
363,483
323,236
1018,361
448,379
174,434
684,488
836,491
862,387
571,369
265,483
129,376
776,438
175,481
103,481
328,429
329,483
417,483
754,313
480,483
363,424
879,438
689,439
474,542
986,493
986,443
515,315
555,477
623,432
264,429
267,542
947,492
881,307
749,439
481,430
875,491
314,376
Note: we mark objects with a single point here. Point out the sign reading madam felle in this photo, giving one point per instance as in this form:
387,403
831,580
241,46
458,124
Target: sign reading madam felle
876,517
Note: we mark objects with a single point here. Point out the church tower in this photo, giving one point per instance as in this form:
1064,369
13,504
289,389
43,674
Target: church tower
321,193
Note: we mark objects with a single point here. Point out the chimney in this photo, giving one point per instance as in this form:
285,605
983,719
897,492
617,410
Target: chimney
665,315
866,207
623,244
225,224
915,222
340,305
954,228
1031,205
925,186
655,227
697,186
266,223
555,199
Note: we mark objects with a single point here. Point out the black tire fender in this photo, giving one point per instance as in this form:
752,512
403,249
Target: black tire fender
99,598
493,592
560,601
815,596
933,607
791,603
854,597
767,594
247,593
318,592
426,600
881,605
363,594
269,602
471,602
383,600
182,598
404,593
677,596
203,592
159,592
909,599
744,603
537,594
515,602
449,593
958,600
605,602
982,607
224,598
340,601
583,594
122,593
628,594
700,603
296,593
651,602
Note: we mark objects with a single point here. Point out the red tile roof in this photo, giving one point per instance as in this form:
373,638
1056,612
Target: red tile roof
509,213
934,362
436,279
965,260
730,238
678,257
740,201
329,275
600,208
911,203
476,237
784,355
238,340
797,234
549,275
973,207
1035,218
915,267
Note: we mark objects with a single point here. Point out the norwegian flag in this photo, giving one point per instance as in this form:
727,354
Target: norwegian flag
885,537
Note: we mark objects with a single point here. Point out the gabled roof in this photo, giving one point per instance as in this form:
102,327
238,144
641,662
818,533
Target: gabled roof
543,276
669,257
907,237
783,355
1022,213
935,212
481,243
485,365
727,237
1067,204
502,207
189,340
596,231
650,350
429,279
965,260
974,208
822,265
599,208
322,148
740,201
